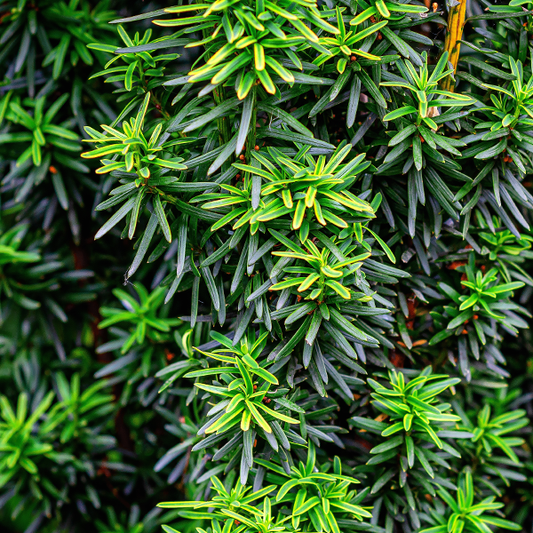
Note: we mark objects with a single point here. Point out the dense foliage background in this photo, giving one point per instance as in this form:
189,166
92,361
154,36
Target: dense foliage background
265,263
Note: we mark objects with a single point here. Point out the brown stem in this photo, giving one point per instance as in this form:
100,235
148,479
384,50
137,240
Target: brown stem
452,45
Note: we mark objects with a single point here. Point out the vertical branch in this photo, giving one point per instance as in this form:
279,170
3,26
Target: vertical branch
250,138
222,123
454,33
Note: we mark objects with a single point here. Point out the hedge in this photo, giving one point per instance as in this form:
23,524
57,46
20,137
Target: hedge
265,266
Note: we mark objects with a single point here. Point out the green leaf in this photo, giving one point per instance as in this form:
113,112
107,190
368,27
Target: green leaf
116,218
372,88
215,113
383,245
389,445
246,116
61,53
128,79
161,217
397,113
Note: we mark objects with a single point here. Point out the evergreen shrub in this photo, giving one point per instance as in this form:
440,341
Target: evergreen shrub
265,266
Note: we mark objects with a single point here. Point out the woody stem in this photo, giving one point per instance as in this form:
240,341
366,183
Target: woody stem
452,45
